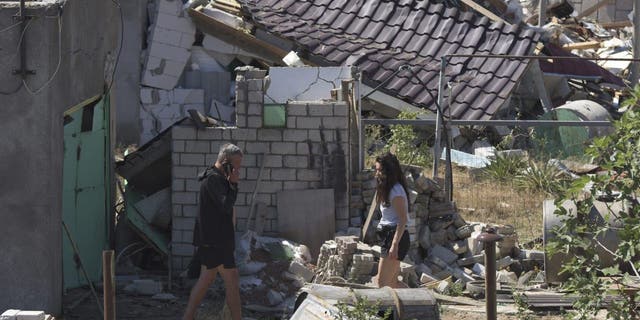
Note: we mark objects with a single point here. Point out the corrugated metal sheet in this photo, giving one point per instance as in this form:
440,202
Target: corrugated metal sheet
380,36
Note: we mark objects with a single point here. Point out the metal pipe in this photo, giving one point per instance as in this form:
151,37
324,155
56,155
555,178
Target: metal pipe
439,115
360,124
517,123
489,239
635,67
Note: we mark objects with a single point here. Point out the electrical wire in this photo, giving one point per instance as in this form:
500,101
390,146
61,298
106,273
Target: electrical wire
8,93
46,84
10,27
115,66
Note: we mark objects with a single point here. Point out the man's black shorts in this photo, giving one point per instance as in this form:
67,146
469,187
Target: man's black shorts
385,235
212,257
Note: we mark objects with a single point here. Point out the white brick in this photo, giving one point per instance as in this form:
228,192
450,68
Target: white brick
187,40
185,172
192,106
302,148
146,96
9,314
177,185
177,210
296,185
192,159
162,81
321,110
161,50
283,147
173,22
257,147
297,109
183,223
308,123
271,187
164,66
308,175
254,109
197,146
192,185
254,121
166,36
316,136
171,7
340,110
256,97
272,161
269,134
283,174
210,134
295,135
295,161
187,96
165,111
334,122
190,211
30,315
243,134
183,133
183,198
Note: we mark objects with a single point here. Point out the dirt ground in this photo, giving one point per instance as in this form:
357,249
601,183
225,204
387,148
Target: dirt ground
79,304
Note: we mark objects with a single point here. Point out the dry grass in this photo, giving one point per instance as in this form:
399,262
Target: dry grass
481,200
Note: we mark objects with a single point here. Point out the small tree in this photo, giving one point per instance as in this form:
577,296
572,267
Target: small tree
619,155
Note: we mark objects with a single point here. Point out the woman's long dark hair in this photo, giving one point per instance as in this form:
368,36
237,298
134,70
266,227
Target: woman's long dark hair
390,174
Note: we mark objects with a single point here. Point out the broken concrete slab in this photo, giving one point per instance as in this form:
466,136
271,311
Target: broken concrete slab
300,270
441,253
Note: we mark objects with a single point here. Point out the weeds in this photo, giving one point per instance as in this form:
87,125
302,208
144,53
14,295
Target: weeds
541,177
504,167
362,309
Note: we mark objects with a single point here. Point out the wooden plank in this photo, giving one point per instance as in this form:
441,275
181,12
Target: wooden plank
307,217
483,11
593,8
617,24
236,37
367,222
582,45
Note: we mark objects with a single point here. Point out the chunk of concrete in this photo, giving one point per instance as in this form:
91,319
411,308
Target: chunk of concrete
10,314
274,297
479,269
464,231
426,278
504,262
443,286
300,270
506,276
30,315
460,247
443,254
479,258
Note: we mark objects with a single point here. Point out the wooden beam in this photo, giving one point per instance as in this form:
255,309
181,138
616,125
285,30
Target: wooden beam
593,8
616,24
473,5
582,45
236,37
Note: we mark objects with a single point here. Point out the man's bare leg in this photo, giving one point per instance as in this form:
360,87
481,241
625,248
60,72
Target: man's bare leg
207,276
232,290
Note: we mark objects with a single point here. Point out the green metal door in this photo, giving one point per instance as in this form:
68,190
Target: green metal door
86,191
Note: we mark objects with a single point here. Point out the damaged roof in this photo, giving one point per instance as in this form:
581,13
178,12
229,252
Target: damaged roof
380,36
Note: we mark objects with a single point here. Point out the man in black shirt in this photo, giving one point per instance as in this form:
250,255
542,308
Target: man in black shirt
214,230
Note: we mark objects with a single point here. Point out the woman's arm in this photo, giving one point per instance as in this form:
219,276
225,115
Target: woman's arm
399,206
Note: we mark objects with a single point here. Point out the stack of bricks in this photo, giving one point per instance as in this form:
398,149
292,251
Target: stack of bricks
309,152
361,267
162,108
347,258
169,48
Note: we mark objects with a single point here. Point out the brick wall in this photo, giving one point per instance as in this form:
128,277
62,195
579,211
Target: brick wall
312,152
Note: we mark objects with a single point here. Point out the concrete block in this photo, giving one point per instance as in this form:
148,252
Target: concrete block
296,161
334,122
308,175
283,148
295,135
322,135
254,122
443,254
320,109
308,123
209,134
170,7
147,286
479,258
256,97
270,135
479,269
460,247
243,134
192,159
161,81
427,278
10,314
182,249
174,22
291,122
254,109
187,96
295,185
187,40
184,172
166,36
177,185
183,198
197,146
301,271
340,110
183,133
30,315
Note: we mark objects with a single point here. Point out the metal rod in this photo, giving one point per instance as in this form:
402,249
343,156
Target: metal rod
517,123
635,67
360,125
436,146
84,272
489,239
109,285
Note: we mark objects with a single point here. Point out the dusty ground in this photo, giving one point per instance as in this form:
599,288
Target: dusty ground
129,307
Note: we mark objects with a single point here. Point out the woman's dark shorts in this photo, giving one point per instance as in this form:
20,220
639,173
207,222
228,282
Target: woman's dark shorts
385,236
212,257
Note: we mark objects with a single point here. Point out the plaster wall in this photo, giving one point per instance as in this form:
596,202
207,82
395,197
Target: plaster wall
310,152
31,126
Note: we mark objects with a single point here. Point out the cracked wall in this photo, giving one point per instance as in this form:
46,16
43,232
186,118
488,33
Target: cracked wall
311,152
311,83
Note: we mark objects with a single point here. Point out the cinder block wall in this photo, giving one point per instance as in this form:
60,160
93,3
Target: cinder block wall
312,152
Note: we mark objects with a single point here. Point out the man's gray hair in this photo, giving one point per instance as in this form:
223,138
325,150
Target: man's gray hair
227,151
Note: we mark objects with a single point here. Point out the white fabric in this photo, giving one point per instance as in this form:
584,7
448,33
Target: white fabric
389,214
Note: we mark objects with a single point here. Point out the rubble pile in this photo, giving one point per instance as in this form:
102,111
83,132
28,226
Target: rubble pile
443,245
